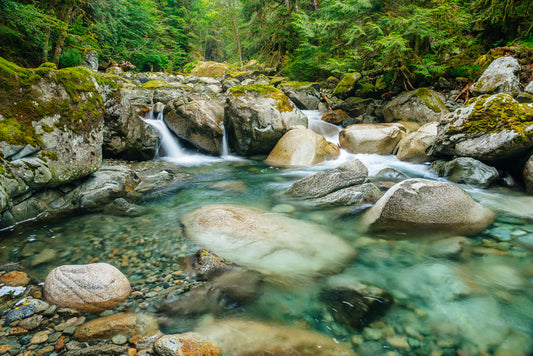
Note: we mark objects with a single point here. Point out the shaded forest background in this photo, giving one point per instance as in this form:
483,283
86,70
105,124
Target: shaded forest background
397,40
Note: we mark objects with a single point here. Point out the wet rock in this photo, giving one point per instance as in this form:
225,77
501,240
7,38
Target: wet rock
301,147
493,129
121,207
185,344
127,324
198,121
31,323
451,247
87,288
99,350
359,195
324,182
15,279
269,243
466,170
390,173
334,116
526,241
372,138
303,94
44,256
40,337
242,337
421,206
412,148
359,109
422,106
528,175
501,76
204,265
21,312
354,304
257,116
233,186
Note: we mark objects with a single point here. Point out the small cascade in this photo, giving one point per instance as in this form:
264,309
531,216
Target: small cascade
169,143
225,145
329,131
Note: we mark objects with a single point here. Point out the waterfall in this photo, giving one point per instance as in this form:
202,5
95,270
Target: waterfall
225,145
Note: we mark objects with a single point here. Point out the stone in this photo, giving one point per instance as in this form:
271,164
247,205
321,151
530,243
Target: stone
303,94
466,170
334,116
526,241
324,182
40,337
206,69
301,147
493,129
346,85
121,207
354,304
528,175
357,107
185,344
20,312
360,195
501,76
127,324
31,323
424,207
422,106
257,116
203,265
90,60
282,247
390,174
412,148
451,247
399,342
99,350
243,337
89,288
119,339
372,138
15,279
198,121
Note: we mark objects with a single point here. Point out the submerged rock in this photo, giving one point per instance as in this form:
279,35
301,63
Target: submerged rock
422,106
492,129
301,147
417,207
501,76
334,116
466,170
257,116
128,324
269,243
372,138
185,344
89,288
247,338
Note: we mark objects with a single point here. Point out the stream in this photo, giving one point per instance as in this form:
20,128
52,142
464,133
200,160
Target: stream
477,299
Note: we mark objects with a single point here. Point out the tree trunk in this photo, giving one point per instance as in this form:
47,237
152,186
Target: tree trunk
237,38
62,36
46,44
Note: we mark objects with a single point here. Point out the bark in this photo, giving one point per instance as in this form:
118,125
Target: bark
62,36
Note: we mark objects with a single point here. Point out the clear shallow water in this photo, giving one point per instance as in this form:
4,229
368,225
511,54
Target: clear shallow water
479,300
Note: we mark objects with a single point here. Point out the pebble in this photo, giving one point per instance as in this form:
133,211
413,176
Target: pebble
500,233
40,337
20,312
5,348
31,323
399,342
45,350
119,339
372,334
15,279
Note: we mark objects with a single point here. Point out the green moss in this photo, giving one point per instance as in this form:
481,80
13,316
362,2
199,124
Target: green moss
347,83
495,113
283,102
48,155
432,101
296,85
155,84
275,81
206,69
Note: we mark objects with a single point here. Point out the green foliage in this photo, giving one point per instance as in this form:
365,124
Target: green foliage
71,57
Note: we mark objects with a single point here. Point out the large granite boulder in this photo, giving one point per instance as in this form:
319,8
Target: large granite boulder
422,106
301,147
528,175
412,148
198,121
304,95
245,338
421,207
90,288
257,116
372,138
272,244
492,129
466,170
324,182
501,76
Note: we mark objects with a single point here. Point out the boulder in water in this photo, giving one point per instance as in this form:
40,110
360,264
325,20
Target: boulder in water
246,338
266,242
303,94
185,344
257,116
501,76
301,147
372,138
334,116
412,148
422,106
128,324
90,288
418,207
466,170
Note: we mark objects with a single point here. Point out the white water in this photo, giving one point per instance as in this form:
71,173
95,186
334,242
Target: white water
172,151
225,144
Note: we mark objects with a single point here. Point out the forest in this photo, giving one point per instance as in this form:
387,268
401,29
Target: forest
408,42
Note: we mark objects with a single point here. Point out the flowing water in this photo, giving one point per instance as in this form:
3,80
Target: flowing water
477,299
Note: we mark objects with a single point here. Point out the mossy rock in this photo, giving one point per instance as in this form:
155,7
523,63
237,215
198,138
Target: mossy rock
276,81
346,85
365,90
296,85
156,84
207,69
432,101
283,103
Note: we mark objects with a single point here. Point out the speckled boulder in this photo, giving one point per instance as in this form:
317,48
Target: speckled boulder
89,288
185,344
372,138
501,76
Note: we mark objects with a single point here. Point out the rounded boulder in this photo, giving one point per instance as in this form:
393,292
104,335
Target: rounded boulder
422,207
90,288
372,138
